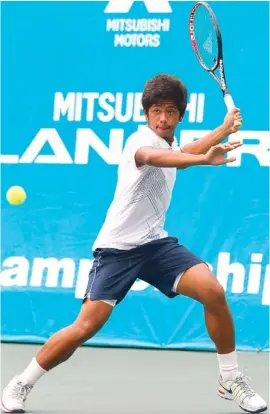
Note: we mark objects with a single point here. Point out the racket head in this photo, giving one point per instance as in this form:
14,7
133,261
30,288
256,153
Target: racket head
205,36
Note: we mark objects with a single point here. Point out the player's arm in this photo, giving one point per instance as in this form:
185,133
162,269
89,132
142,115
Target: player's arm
163,158
156,157
231,124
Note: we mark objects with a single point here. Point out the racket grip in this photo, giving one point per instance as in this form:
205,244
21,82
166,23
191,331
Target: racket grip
229,101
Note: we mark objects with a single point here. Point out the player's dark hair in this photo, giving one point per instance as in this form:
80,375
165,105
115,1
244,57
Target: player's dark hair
165,88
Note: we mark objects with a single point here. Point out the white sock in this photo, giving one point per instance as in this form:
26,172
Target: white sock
228,366
32,373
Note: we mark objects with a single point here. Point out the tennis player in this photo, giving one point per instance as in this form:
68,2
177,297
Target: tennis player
133,243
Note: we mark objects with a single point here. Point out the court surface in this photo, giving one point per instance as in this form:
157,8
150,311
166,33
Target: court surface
123,381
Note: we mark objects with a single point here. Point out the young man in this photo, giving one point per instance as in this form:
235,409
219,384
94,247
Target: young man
133,243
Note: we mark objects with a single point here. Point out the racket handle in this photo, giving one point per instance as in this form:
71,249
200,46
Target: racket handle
229,101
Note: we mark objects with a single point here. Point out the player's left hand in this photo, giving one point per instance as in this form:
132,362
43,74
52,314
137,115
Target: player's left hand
216,155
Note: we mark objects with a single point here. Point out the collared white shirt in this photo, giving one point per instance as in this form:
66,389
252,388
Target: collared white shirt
142,197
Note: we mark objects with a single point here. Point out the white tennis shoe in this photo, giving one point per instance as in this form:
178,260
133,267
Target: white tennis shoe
14,396
241,392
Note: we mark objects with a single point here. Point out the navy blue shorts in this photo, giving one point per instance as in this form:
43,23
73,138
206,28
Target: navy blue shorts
158,263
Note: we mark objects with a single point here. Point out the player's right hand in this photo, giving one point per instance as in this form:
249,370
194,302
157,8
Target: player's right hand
233,121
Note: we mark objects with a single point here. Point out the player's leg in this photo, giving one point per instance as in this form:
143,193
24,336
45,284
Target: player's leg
56,350
175,270
62,344
112,275
199,283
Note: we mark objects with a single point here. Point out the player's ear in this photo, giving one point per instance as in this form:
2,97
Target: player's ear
146,115
181,117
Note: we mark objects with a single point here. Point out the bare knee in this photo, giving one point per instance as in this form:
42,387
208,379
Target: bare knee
199,283
85,329
92,317
214,295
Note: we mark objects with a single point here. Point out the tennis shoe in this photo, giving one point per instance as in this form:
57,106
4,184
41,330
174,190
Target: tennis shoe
14,396
240,391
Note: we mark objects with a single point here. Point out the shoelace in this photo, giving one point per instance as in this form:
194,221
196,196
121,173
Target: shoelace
20,391
243,387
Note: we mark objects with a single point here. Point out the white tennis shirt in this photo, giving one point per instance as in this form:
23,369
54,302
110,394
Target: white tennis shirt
142,197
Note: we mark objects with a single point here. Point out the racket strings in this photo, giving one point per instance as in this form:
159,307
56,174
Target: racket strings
205,36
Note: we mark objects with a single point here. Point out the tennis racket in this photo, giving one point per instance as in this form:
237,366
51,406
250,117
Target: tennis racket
207,44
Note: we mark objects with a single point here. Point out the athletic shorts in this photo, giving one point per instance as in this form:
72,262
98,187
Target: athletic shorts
159,263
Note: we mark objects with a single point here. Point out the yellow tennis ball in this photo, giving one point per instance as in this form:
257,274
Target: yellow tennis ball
16,195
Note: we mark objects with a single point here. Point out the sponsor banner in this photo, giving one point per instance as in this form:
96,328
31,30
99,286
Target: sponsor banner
72,80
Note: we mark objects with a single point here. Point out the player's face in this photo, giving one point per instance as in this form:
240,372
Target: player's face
163,119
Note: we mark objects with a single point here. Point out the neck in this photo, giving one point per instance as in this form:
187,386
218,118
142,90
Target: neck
168,139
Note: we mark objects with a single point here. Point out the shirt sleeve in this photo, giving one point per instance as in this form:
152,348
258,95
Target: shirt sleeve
138,141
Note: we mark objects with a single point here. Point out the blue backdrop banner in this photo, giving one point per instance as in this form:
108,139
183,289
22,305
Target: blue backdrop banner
72,79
